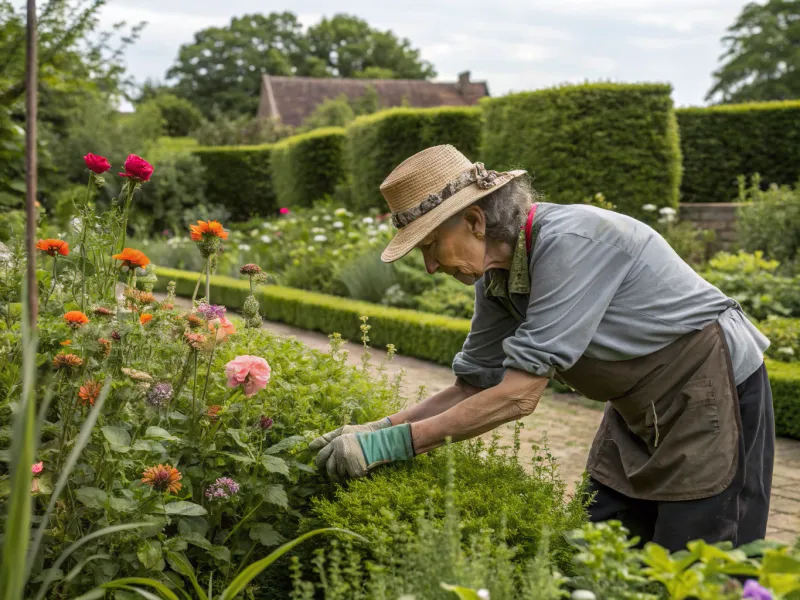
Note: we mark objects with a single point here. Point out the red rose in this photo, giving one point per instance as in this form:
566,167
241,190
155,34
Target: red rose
137,168
96,164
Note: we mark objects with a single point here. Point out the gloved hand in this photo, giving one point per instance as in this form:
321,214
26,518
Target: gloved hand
325,439
354,454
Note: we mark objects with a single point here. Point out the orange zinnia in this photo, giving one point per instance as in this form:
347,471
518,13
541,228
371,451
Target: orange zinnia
132,258
212,228
67,361
145,318
89,392
163,478
66,342
76,318
53,247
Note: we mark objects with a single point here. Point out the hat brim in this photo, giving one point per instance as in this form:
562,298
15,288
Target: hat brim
407,238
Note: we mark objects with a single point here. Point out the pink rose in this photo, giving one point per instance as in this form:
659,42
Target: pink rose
37,468
284,211
96,164
137,168
251,371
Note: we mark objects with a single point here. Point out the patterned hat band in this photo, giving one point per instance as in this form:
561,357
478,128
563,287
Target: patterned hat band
477,174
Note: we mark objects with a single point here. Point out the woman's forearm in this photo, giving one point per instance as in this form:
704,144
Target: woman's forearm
516,397
436,404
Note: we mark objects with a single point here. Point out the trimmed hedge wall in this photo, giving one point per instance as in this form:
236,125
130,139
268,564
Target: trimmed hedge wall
308,167
417,334
619,140
722,142
240,179
378,143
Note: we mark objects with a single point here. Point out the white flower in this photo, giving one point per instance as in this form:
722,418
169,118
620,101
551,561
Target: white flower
326,217
483,594
314,219
244,247
338,225
383,227
372,231
253,232
317,230
320,238
311,249
368,220
583,595
335,253
266,239
649,207
340,211
667,210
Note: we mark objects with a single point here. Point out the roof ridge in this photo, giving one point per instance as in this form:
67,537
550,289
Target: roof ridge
344,79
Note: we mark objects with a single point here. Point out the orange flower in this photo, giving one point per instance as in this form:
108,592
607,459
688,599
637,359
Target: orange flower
167,306
53,247
66,342
103,311
194,321
222,327
213,412
106,344
163,478
132,258
145,318
89,392
67,361
195,340
212,228
76,318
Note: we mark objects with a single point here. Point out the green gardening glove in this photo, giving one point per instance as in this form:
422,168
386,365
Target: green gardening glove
355,454
325,439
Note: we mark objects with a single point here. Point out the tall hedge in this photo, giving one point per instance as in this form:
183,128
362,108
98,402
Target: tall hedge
720,143
308,167
239,178
378,143
617,139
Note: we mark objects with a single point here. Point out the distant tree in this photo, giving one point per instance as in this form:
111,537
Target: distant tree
339,111
762,56
224,65
180,116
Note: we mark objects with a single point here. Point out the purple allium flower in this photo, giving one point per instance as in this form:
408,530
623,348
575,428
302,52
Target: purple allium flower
222,489
160,394
753,590
211,311
265,422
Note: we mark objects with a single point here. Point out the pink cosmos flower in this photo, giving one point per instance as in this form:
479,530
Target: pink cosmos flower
284,211
250,371
37,468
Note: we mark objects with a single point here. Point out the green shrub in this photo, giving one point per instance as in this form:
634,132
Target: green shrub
308,167
576,141
240,179
492,491
784,379
379,142
180,116
784,337
720,143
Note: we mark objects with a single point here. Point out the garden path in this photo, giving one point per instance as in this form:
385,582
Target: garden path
569,424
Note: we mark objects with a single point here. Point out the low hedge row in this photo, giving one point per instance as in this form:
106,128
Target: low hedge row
308,167
720,143
617,139
378,143
421,335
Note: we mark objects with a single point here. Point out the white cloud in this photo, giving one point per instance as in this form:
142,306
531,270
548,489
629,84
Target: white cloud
600,64
530,52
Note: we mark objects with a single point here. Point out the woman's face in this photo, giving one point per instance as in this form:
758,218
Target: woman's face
458,247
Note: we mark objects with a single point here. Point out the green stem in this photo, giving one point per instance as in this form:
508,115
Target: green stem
199,279
83,242
208,280
208,372
241,522
53,283
130,187
194,392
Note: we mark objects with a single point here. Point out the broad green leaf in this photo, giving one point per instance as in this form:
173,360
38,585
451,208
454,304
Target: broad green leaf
462,592
285,444
221,553
273,464
180,564
779,561
149,446
196,539
162,589
118,439
124,505
185,509
156,433
240,458
265,534
196,525
236,436
92,497
149,554
275,494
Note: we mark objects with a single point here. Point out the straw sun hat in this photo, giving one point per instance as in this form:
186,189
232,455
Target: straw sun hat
430,187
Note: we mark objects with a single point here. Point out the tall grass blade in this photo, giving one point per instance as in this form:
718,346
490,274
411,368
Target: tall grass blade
126,581
252,570
80,444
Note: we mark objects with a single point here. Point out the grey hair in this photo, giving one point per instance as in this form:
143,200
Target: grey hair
507,208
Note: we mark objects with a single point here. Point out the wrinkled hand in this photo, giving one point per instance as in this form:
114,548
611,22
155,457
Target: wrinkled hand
343,457
325,439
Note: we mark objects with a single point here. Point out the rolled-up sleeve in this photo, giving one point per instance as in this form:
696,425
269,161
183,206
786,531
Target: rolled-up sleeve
573,281
480,362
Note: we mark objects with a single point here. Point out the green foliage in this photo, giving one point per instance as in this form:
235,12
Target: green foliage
493,491
760,61
784,337
688,241
180,116
222,129
720,143
340,111
621,140
784,379
308,167
379,142
240,179
769,221
167,147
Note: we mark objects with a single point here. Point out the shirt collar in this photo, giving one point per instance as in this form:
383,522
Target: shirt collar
500,283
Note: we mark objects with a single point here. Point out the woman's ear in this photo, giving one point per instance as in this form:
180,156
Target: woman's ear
476,221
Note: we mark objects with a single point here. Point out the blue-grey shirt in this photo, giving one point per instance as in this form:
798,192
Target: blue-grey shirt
600,284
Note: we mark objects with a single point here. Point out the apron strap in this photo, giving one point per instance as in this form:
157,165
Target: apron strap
529,227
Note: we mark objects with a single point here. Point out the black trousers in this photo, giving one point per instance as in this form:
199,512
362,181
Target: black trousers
738,514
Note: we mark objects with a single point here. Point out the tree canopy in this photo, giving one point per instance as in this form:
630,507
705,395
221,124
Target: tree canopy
762,57
223,65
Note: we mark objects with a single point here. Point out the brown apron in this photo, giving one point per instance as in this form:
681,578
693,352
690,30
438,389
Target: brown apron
671,426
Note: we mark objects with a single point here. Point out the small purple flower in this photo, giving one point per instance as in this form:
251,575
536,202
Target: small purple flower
754,591
222,489
160,395
265,422
211,311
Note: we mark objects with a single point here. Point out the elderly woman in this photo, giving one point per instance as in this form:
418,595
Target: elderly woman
601,302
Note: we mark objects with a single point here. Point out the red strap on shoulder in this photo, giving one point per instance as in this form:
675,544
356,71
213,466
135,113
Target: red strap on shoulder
529,227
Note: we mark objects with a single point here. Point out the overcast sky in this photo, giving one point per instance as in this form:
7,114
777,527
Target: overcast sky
513,44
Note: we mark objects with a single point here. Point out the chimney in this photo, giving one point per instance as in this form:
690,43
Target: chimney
463,82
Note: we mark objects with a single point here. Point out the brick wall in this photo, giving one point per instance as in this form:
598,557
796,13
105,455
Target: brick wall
719,217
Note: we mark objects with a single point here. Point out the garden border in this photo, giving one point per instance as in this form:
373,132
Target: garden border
416,334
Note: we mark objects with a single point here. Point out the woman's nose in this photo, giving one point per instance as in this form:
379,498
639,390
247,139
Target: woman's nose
430,264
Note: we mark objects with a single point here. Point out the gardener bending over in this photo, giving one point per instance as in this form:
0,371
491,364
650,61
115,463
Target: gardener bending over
601,302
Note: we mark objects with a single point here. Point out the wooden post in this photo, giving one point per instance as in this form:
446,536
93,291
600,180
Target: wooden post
31,85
